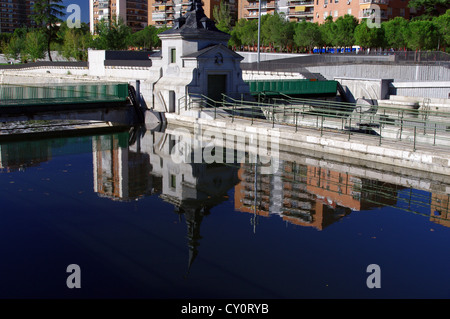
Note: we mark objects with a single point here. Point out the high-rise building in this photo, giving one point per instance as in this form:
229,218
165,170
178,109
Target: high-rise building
361,9
133,13
294,10
15,14
164,12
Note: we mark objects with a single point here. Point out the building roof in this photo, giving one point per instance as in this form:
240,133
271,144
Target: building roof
219,46
195,22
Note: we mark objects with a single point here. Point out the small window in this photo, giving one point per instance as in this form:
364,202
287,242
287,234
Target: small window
173,55
173,181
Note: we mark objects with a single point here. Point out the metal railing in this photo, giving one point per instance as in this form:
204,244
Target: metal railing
380,123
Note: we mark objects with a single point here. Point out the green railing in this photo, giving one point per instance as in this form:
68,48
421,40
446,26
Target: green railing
44,94
383,123
292,87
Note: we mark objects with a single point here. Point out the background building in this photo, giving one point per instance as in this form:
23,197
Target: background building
134,13
15,14
164,12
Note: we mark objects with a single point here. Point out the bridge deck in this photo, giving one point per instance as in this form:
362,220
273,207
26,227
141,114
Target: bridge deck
293,87
79,93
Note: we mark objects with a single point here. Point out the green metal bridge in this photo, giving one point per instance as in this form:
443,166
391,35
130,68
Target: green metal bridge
293,87
87,101
60,94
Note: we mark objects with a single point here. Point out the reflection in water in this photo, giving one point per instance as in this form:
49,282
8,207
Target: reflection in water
305,191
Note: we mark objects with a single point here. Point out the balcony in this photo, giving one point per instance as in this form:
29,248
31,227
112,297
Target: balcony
370,13
300,14
300,3
374,2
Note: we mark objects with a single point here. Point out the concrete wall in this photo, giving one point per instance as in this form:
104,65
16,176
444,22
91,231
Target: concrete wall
374,89
250,57
434,89
384,71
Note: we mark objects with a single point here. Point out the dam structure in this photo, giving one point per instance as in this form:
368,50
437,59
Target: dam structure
195,81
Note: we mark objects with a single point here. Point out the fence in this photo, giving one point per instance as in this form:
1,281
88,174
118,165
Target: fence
383,123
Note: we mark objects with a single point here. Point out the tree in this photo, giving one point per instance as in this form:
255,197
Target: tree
114,35
308,35
432,8
328,30
276,31
76,42
146,38
344,31
422,35
46,14
395,32
35,45
223,17
442,24
245,32
369,37
16,45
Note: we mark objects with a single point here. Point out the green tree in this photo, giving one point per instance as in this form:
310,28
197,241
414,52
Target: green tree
432,8
308,35
328,30
223,17
245,33
369,37
46,14
35,45
146,38
76,43
276,31
344,31
114,35
442,24
16,45
422,35
395,32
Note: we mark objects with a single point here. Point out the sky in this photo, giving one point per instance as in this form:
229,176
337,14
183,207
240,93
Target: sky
84,8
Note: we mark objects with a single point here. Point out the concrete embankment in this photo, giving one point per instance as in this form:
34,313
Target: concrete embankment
365,149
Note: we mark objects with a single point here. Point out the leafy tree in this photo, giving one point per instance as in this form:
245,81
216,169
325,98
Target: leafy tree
328,30
46,14
114,35
369,37
395,32
442,24
223,17
35,45
16,45
276,31
147,38
344,31
245,32
308,35
422,35
432,8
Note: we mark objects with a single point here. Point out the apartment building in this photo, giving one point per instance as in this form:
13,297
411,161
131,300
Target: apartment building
294,10
134,13
164,12
15,14
361,9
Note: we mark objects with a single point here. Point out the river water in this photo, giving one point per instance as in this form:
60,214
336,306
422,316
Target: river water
137,224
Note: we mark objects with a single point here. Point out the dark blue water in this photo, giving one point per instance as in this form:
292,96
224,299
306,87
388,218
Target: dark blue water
131,240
